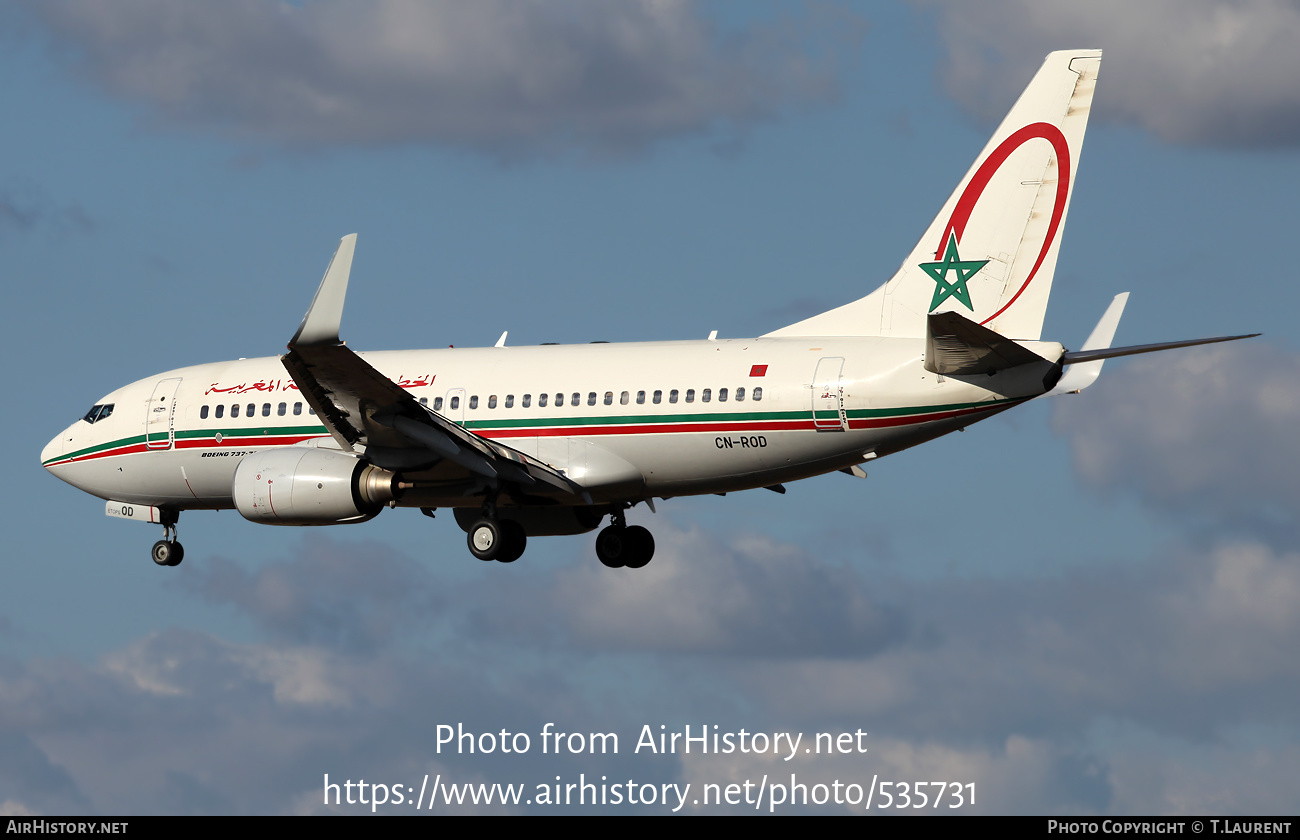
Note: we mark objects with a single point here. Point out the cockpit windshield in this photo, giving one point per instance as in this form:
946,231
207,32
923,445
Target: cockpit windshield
98,412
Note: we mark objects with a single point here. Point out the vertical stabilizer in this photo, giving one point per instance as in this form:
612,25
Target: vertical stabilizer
991,252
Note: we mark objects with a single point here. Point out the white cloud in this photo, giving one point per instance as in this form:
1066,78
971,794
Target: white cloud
1014,776
1207,434
1193,71
350,596
508,77
750,596
1041,693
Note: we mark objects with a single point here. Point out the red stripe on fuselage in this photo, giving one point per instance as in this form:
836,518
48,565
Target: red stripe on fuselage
578,431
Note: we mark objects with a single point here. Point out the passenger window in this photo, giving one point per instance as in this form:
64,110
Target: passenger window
455,403
266,409
234,411
559,400
203,413
722,395
609,398
640,397
527,401
658,397
473,401
576,399
297,409
252,410
541,400
282,409
510,400
492,401
437,403
672,396
311,411
758,393
740,395
221,409
690,395
424,401
706,394
591,398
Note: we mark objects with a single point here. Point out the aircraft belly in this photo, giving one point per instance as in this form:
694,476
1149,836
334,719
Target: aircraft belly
595,465
209,474
143,478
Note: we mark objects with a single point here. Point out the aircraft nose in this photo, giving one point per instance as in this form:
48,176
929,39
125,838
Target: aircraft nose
52,450
57,449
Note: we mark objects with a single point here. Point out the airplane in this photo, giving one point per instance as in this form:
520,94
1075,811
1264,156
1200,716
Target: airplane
526,442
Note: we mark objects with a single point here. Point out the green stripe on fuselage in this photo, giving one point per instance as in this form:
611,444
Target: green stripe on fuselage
541,423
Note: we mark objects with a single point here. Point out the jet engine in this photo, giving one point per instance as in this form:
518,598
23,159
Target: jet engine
302,486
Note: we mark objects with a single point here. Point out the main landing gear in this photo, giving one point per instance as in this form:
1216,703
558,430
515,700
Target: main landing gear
501,540
168,551
619,545
489,538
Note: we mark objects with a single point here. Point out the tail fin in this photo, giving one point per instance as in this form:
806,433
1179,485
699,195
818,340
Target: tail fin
991,252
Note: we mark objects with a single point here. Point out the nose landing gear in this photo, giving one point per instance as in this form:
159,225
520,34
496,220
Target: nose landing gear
168,551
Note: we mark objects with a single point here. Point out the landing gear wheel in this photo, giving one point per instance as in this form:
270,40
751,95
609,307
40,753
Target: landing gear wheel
620,546
486,540
612,546
514,540
168,553
641,544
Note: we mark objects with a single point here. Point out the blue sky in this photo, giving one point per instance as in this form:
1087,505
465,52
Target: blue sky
1088,606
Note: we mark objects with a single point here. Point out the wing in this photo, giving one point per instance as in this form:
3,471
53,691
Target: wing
363,408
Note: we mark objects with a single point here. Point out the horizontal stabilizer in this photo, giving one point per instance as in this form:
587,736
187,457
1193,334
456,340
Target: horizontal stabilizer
955,345
1114,352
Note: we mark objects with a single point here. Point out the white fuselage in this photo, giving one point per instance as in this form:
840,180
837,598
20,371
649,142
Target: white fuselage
625,421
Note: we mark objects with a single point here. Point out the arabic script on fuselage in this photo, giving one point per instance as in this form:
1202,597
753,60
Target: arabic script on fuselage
269,386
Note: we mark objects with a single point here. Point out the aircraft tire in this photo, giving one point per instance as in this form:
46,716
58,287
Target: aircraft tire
641,544
485,539
515,539
167,553
612,546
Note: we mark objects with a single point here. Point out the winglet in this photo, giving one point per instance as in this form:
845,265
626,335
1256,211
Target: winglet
1081,375
321,323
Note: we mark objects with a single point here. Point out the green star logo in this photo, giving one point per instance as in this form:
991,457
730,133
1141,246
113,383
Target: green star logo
965,270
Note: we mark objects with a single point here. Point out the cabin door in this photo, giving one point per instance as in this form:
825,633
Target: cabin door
828,396
160,415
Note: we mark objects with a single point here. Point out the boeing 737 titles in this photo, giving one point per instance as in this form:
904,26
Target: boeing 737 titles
531,441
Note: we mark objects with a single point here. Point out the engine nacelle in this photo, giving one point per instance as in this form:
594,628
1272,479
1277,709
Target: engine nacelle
540,521
302,486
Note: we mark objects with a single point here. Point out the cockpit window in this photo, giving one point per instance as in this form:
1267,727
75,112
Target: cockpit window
98,412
